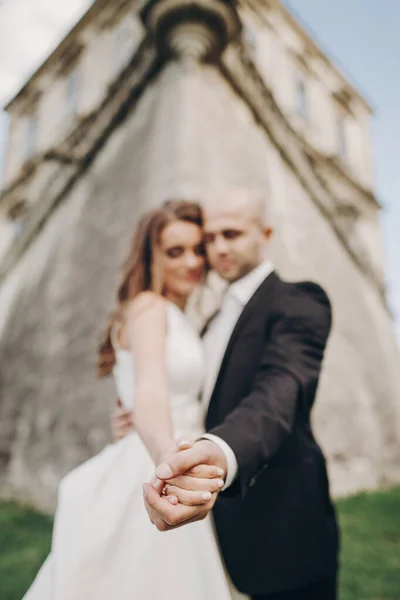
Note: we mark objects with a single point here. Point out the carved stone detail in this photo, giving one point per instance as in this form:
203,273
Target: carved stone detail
191,30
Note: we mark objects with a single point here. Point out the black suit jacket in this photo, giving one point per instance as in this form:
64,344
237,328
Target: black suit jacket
276,524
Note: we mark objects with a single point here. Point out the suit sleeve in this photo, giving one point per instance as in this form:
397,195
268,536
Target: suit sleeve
287,377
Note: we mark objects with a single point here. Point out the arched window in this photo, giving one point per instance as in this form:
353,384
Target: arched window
301,96
123,45
17,215
73,90
250,37
30,136
341,132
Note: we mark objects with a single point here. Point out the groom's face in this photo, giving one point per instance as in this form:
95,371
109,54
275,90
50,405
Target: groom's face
235,239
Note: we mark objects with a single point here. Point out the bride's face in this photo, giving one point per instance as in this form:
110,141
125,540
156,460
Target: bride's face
181,258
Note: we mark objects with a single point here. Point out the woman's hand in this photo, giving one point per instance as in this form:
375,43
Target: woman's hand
121,422
196,487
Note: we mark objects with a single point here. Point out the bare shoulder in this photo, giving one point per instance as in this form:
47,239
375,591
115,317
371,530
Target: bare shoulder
147,305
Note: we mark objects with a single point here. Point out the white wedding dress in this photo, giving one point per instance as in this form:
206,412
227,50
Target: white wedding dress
104,546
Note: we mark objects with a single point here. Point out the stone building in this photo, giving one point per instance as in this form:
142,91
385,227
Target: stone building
145,100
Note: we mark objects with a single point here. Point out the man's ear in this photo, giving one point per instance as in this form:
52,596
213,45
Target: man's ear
268,231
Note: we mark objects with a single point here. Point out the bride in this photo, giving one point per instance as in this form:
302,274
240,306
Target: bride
104,545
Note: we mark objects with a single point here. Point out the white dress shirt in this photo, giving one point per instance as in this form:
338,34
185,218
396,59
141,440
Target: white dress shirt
216,341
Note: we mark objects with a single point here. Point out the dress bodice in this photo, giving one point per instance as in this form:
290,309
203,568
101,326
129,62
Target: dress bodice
186,369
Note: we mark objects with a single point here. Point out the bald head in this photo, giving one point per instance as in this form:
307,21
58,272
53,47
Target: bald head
241,201
236,231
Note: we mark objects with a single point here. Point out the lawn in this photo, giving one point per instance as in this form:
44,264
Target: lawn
370,547
24,543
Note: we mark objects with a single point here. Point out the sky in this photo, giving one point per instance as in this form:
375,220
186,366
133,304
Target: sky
361,36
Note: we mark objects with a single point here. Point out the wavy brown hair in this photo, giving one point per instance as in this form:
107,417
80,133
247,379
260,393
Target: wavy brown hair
138,270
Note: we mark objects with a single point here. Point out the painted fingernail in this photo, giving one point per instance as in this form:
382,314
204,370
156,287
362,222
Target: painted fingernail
207,496
220,472
173,500
220,483
164,471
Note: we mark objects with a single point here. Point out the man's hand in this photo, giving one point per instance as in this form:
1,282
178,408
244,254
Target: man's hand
165,515
203,452
121,422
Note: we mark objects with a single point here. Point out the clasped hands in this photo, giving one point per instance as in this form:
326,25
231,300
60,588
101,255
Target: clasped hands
187,480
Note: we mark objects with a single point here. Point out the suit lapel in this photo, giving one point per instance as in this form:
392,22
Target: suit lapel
266,290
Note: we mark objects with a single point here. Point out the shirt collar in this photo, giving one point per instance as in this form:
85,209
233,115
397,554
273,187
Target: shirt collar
245,288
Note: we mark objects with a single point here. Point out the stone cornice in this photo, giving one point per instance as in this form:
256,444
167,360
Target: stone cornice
239,69
112,15
339,170
69,59
26,173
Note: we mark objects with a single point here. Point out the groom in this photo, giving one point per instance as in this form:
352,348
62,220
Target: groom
274,518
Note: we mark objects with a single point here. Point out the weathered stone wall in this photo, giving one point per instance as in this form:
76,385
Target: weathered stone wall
188,136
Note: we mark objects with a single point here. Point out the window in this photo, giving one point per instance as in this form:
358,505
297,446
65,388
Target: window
17,227
31,135
301,97
123,46
250,38
17,216
72,91
342,137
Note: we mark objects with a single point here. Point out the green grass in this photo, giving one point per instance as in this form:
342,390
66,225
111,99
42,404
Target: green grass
24,544
370,547
370,526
